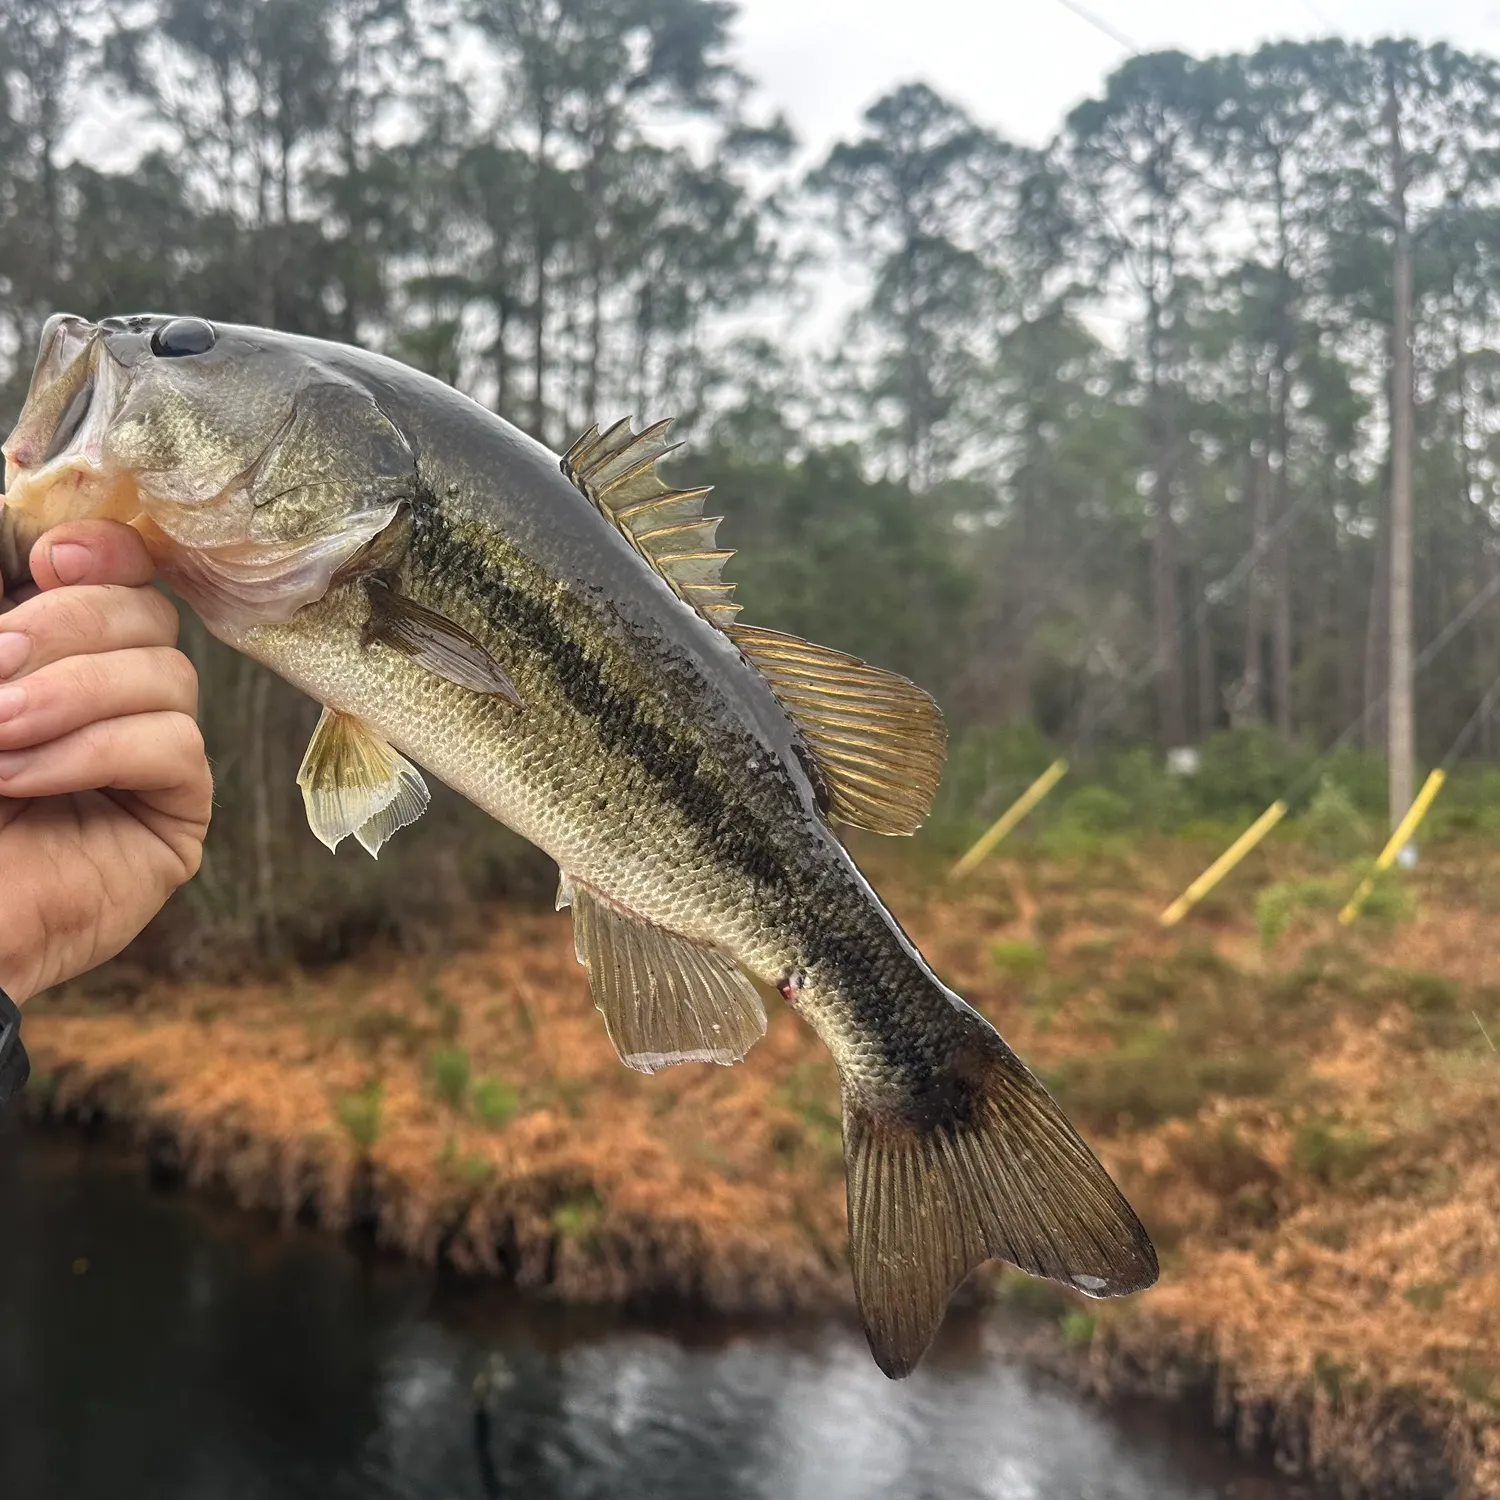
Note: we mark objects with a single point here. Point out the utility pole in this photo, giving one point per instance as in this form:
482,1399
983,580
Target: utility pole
1401,727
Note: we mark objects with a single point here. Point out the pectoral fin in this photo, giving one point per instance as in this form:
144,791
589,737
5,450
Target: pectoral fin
665,999
436,642
353,782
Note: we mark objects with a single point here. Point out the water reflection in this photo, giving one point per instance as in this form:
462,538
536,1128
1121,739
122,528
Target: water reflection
199,1354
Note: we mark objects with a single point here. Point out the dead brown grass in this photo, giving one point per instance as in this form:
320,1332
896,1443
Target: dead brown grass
1313,1135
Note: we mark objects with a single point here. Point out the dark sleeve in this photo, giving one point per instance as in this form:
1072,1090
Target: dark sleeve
15,1066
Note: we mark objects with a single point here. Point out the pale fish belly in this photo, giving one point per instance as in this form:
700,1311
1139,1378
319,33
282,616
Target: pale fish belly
590,815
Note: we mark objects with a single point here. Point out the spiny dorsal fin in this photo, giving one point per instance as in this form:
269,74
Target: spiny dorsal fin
878,739
617,471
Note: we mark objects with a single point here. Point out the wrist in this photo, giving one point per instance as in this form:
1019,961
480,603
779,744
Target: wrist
18,978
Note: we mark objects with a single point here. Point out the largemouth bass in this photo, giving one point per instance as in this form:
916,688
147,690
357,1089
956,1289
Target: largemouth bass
552,637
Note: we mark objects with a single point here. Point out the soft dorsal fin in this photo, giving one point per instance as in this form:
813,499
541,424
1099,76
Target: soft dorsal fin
878,739
617,471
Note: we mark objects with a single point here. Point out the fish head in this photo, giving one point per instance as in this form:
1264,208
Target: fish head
254,468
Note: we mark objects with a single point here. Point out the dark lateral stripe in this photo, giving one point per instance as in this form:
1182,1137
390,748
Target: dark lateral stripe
832,921
617,716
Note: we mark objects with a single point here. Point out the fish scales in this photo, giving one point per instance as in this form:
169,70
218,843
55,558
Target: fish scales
549,637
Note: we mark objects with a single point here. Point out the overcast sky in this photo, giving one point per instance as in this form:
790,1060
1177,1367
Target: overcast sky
1020,65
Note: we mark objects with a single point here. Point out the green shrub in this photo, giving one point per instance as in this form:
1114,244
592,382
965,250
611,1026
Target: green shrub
1142,989
495,1101
579,1218
1143,1082
1479,1383
1159,802
1242,771
1426,1296
359,1114
1332,1155
1278,907
1389,900
1333,828
1224,1163
1096,809
1158,1074
448,1070
1017,958
1033,1296
1249,1072
1470,803
1078,1327
1364,778
989,769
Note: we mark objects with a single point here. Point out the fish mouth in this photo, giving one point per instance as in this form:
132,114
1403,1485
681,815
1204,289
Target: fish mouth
55,464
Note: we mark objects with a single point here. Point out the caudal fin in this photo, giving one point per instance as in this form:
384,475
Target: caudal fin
983,1165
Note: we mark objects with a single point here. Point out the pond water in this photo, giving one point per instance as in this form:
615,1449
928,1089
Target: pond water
157,1344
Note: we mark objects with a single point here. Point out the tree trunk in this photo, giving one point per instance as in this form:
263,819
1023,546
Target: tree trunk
541,249
1401,721
502,355
1281,597
539,344
1208,707
1170,706
1247,697
1377,637
1171,710
1346,624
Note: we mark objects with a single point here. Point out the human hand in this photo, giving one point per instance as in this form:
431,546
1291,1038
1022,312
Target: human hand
105,791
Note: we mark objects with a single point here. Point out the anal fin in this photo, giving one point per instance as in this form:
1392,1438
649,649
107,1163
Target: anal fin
665,999
354,782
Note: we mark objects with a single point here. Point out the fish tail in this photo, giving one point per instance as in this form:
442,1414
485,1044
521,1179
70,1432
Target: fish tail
977,1163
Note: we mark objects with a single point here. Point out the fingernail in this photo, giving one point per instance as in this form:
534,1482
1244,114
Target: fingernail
12,703
70,561
13,762
15,647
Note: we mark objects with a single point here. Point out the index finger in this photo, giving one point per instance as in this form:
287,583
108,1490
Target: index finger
91,552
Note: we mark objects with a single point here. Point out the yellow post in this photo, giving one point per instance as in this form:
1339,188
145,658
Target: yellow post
1223,864
1009,818
1395,844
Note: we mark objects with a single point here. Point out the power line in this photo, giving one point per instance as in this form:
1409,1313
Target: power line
1476,720
1316,12
1214,594
1433,648
1102,27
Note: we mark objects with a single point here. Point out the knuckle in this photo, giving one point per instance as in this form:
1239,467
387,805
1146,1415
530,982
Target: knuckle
187,738
74,617
183,676
163,614
89,679
192,860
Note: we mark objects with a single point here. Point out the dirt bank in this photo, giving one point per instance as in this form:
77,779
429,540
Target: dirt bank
1311,1132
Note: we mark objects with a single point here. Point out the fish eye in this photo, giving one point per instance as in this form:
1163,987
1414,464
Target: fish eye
181,337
